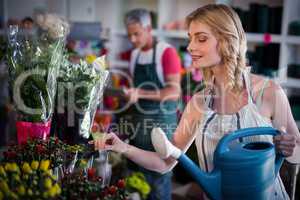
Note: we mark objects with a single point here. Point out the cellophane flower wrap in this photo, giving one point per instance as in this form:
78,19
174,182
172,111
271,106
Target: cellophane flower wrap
85,83
34,60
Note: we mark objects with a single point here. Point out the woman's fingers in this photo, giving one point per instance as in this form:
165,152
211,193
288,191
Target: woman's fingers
285,143
100,143
110,141
290,144
285,139
286,148
286,153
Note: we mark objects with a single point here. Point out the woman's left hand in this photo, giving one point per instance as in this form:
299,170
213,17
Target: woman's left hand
285,143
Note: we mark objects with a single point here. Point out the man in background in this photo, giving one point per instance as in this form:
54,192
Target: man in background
27,23
155,71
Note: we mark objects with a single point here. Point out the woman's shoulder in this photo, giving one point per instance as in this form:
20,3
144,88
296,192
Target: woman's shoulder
197,105
264,86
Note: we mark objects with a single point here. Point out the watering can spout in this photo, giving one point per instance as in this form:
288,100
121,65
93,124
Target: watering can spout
210,182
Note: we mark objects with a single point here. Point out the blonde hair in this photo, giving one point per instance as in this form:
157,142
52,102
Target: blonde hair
232,45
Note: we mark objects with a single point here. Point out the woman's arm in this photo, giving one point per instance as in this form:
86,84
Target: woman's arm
282,119
183,137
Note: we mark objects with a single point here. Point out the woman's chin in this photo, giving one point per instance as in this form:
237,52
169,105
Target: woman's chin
198,65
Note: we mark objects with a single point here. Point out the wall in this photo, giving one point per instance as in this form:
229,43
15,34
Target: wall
17,9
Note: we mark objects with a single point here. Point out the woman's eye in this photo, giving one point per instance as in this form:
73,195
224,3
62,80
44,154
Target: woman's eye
201,40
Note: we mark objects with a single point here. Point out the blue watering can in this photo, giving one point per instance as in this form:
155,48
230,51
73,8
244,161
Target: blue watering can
241,170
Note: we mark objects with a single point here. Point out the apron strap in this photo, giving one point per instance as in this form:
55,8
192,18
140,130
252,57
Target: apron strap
153,55
246,78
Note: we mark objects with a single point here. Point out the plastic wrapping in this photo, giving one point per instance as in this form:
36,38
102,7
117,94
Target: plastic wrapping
34,60
85,83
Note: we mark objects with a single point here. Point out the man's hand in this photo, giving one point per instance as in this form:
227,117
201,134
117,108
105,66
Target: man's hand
132,94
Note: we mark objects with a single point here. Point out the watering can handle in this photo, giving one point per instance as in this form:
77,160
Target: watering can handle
223,144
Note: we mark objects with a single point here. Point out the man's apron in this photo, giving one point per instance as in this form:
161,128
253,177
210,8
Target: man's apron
147,114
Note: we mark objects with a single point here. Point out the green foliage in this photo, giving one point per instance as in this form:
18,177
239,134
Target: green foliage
39,56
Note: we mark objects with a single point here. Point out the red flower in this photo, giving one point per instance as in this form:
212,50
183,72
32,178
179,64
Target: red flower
94,128
104,193
13,154
39,148
112,190
10,154
91,173
24,144
121,184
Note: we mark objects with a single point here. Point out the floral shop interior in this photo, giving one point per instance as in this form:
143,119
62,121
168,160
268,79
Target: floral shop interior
149,99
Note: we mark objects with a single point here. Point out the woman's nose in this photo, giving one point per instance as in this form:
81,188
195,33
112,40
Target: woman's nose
190,47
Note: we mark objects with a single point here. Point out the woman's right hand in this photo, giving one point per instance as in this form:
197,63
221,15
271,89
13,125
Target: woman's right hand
111,142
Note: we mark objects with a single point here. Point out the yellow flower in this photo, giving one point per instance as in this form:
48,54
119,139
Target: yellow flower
16,177
15,167
7,166
90,58
25,176
34,165
35,182
138,182
29,192
21,190
82,163
2,171
100,63
48,183
4,187
53,191
57,187
44,165
26,168
145,190
45,195
12,195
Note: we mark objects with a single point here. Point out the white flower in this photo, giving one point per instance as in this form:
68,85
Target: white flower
56,26
100,63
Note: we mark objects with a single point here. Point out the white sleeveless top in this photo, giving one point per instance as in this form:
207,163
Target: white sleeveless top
214,126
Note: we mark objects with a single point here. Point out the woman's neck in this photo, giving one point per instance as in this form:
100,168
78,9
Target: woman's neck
226,100
220,82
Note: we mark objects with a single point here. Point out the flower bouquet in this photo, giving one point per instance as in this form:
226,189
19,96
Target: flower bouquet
85,83
59,153
28,181
34,60
136,182
81,187
51,149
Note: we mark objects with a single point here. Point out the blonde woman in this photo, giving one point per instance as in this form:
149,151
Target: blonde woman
233,99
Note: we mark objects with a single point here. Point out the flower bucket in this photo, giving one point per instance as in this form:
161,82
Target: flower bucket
30,130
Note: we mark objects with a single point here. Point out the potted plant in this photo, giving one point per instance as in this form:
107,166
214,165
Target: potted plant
34,60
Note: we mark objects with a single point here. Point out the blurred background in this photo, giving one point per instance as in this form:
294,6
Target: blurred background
273,34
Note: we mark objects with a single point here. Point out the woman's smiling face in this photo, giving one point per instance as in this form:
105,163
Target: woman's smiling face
202,46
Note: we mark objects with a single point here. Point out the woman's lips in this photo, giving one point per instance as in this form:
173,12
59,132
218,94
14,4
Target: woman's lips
194,58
